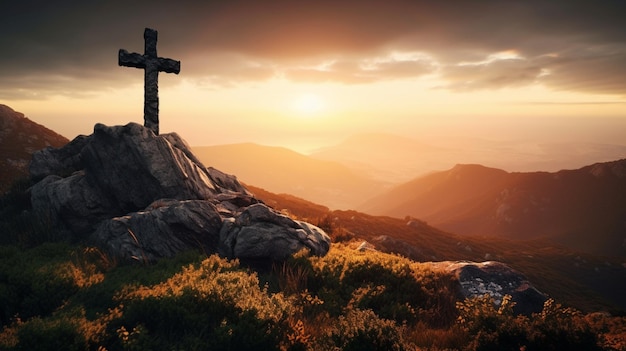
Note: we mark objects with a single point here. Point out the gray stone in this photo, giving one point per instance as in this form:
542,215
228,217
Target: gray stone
58,161
142,196
496,279
116,170
70,203
163,229
261,232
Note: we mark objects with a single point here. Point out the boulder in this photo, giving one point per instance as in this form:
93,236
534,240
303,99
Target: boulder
143,196
260,232
496,279
163,229
58,161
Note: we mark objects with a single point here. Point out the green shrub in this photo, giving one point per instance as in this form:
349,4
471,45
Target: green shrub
50,334
395,287
216,305
33,282
497,328
363,330
491,327
57,296
561,328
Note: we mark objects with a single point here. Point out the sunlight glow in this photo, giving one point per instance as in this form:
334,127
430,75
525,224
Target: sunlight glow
308,104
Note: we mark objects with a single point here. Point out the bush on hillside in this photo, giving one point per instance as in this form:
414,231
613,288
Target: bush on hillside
66,297
497,328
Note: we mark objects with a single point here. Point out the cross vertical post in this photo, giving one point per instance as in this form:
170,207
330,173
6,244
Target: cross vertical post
152,65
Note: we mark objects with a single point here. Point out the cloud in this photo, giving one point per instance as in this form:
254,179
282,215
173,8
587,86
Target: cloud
69,47
599,68
498,70
366,69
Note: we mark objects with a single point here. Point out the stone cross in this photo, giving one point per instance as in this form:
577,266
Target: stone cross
152,65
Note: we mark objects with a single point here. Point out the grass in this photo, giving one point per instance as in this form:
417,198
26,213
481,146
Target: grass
63,296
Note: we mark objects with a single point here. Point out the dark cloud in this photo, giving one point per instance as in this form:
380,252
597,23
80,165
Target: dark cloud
601,67
70,47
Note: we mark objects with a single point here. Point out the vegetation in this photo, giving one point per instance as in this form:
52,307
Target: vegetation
584,281
56,294
61,296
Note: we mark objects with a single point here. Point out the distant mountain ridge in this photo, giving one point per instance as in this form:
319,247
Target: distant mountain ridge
398,159
282,170
387,157
584,208
19,138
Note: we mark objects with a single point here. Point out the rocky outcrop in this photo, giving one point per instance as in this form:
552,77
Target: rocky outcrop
260,232
496,280
164,228
143,196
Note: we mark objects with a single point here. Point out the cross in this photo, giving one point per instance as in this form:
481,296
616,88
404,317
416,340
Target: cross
152,65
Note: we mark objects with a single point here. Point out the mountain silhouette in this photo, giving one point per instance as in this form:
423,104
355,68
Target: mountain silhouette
386,157
397,159
19,138
281,170
584,208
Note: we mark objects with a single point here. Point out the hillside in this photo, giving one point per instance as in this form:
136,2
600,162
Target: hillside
583,209
66,294
19,138
281,170
71,296
585,281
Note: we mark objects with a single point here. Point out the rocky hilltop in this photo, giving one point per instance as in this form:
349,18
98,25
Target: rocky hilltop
19,138
142,196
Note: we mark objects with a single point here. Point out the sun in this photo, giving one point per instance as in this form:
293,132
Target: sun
308,104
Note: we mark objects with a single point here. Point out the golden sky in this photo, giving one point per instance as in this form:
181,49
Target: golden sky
305,74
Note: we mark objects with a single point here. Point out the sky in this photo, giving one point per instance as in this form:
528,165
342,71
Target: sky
305,74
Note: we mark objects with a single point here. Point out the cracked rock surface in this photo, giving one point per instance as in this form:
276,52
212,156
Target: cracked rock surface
142,196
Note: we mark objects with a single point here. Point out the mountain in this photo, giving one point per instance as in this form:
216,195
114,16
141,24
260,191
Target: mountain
19,138
584,208
281,170
387,157
398,159
586,281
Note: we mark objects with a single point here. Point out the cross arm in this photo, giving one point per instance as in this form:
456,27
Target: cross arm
131,59
169,65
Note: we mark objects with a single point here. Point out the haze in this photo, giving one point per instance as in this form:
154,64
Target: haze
309,75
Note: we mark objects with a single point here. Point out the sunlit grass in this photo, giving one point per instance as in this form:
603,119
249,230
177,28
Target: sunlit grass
73,298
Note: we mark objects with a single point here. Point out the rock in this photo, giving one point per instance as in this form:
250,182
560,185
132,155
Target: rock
135,167
114,171
260,232
365,246
58,161
142,196
165,228
496,279
71,203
